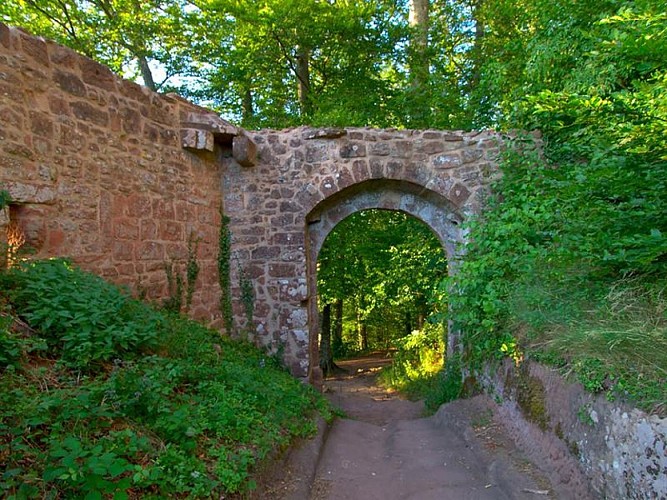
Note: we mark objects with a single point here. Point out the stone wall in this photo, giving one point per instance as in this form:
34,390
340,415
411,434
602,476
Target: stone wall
120,178
617,450
307,180
98,171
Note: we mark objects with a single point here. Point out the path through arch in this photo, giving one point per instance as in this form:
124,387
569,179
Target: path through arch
305,181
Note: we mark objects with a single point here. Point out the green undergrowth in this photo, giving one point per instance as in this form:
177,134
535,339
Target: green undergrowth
419,371
614,342
568,266
103,396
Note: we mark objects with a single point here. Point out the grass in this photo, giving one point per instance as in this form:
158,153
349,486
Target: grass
617,346
173,410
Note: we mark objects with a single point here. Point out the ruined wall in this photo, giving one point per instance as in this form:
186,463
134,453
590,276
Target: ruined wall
98,172
119,178
307,180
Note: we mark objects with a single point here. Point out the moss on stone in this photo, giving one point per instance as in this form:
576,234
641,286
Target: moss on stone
531,398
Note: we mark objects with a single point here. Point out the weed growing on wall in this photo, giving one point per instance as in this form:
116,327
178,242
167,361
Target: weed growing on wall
174,301
132,402
191,270
224,273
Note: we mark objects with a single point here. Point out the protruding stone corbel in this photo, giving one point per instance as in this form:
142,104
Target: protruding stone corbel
197,139
200,132
244,151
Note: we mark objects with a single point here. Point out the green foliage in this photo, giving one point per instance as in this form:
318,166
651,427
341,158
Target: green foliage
174,301
83,318
385,266
11,347
224,273
418,359
191,421
576,228
445,386
5,199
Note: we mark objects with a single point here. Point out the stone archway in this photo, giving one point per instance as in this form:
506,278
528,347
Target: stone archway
306,180
429,207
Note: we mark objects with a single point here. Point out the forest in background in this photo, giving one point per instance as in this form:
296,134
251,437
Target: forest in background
568,264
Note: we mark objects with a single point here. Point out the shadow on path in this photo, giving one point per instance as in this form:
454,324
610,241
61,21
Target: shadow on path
385,449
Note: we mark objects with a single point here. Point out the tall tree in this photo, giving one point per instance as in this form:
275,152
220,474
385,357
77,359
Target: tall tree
385,266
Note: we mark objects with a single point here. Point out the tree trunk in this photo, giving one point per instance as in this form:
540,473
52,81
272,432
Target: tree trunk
326,353
303,80
364,336
337,334
248,111
146,73
419,23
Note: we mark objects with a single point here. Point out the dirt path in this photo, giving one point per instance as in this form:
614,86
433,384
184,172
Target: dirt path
386,450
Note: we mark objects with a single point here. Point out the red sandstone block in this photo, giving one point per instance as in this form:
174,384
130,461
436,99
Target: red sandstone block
150,250
87,112
163,209
70,83
122,251
95,74
176,251
35,48
138,206
170,231
5,35
126,229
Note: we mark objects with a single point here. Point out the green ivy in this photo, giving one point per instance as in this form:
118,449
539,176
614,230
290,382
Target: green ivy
224,273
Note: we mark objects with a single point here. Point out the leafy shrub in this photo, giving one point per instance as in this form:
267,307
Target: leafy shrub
554,242
417,361
10,345
82,317
445,386
191,421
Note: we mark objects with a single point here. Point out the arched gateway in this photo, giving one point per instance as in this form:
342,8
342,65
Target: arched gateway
122,180
306,180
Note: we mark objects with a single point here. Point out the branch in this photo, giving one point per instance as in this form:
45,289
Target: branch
285,52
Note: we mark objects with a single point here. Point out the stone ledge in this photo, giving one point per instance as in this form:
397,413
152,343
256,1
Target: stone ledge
244,151
323,133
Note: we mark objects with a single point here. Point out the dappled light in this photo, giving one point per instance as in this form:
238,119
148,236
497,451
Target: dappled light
431,235
378,276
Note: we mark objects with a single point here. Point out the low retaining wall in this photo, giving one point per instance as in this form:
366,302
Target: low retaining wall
619,450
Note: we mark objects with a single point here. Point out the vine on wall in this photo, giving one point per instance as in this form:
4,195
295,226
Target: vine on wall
174,301
224,275
247,298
